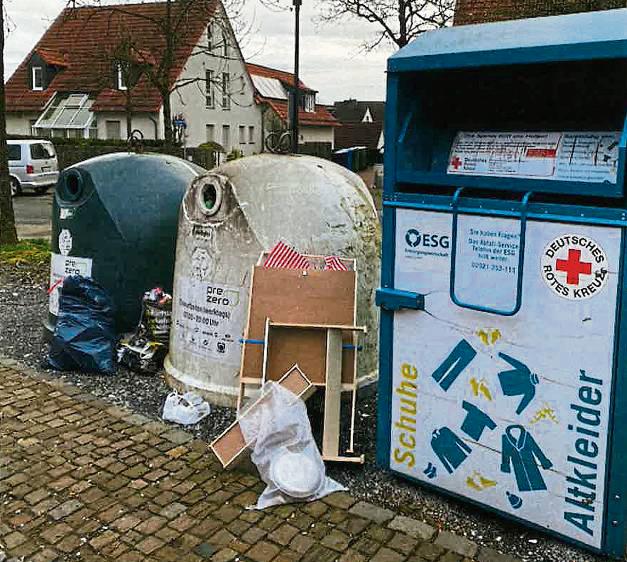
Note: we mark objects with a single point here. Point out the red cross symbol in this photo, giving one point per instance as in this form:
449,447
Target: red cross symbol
573,267
456,162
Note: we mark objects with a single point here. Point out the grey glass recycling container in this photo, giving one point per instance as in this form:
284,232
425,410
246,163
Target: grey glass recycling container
114,218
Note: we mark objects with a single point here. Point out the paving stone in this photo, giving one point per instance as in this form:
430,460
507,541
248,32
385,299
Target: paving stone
387,555
341,500
457,544
352,556
372,512
402,542
65,509
320,554
412,527
336,540
283,534
430,552
205,550
451,557
225,555
490,555
263,551
302,543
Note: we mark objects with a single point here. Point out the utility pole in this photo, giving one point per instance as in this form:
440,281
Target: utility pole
296,93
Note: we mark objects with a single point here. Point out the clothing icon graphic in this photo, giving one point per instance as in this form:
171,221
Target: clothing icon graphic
514,500
476,421
431,471
478,482
521,452
449,448
461,356
519,381
480,387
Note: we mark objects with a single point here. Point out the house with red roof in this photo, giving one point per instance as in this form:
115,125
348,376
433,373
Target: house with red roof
92,69
273,91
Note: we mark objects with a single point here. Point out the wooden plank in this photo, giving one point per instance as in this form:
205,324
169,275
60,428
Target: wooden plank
356,460
307,347
297,297
332,394
343,327
230,446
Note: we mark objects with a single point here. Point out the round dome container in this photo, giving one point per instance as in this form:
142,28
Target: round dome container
114,218
228,218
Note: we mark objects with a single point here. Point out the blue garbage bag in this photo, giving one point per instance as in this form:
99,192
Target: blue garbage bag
84,337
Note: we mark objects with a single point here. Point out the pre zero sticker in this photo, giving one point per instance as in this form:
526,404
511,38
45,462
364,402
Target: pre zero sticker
574,267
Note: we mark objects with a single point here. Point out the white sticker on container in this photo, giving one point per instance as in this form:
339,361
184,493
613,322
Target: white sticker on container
575,267
60,268
208,319
65,242
200,263
66,213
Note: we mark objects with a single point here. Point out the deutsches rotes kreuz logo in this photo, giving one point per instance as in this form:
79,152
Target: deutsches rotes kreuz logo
575,267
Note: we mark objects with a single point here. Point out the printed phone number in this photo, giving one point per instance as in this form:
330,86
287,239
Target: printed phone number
494,267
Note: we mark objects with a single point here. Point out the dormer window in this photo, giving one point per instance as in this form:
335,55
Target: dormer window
121,79
308,102
38,78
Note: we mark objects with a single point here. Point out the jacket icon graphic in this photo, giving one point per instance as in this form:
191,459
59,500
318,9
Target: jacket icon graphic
519,381
449,448
521,452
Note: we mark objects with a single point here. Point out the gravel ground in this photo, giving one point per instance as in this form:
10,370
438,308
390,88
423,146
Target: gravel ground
23,304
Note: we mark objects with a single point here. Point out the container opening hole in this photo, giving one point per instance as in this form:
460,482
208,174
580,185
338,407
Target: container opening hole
210,198
73,185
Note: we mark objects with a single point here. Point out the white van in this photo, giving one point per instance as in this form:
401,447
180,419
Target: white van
32,165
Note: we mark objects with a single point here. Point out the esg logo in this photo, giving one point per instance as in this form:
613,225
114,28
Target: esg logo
415,238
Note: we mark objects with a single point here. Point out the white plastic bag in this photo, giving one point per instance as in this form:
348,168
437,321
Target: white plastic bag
186,409
278,432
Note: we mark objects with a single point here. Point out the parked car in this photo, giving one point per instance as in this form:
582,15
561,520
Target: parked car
32,165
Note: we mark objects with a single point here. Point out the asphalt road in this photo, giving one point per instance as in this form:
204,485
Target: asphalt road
33,214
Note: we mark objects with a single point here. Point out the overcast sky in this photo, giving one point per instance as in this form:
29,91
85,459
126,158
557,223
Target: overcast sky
331,58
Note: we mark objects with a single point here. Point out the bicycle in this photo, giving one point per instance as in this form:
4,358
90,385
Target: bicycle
279,142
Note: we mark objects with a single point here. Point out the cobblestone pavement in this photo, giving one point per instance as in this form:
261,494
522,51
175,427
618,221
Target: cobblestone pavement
83,480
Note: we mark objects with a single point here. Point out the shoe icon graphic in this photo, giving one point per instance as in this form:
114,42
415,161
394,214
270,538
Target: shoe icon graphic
431,471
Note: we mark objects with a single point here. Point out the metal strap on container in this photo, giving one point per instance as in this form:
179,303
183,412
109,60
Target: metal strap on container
521,258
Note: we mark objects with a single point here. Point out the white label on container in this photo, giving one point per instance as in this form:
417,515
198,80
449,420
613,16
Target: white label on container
575,156
65,242
209,318
60,268
486,265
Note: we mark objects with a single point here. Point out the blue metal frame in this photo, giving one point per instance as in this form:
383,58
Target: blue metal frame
521,259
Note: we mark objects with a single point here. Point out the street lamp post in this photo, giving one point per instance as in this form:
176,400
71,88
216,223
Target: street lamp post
296,92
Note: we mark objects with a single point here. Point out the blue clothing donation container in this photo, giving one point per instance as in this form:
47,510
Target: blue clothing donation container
503,375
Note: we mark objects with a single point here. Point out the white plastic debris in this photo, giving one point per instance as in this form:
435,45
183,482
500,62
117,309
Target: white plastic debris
185,409
282,446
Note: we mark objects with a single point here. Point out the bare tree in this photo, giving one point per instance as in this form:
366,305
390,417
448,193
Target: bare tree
171,27
8,234
398,21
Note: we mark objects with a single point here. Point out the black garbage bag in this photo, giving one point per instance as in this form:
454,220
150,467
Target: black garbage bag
84,337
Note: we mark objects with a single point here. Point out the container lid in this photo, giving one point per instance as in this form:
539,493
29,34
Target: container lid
297,475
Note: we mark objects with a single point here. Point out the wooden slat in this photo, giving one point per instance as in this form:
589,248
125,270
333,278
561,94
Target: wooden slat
332,394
